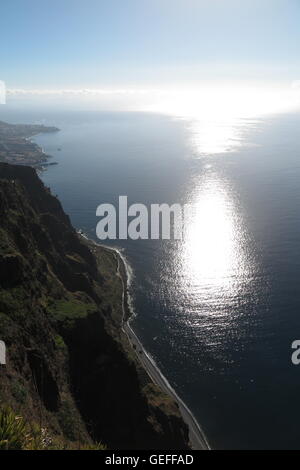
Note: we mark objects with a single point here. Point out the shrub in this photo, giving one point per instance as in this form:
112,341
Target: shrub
16,434
13,430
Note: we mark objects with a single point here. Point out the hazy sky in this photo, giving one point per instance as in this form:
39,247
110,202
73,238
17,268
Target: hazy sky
136,43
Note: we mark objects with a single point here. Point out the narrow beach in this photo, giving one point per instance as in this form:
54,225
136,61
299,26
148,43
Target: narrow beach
197,437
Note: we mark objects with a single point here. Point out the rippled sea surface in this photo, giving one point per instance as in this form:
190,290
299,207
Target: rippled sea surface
218,310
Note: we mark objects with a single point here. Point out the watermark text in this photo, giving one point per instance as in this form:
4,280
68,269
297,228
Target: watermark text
161,221
2,353
2,92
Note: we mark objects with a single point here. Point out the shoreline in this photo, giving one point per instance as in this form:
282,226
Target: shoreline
30,153
42,165
197,437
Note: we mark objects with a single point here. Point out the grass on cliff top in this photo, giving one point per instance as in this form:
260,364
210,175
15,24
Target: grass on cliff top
70,309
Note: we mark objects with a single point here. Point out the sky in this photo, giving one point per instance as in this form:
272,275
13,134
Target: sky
148,44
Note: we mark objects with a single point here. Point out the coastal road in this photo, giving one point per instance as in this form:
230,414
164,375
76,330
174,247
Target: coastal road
197,438
196,435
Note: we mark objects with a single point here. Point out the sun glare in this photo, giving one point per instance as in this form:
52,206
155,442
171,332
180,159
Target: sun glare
212,259
217,116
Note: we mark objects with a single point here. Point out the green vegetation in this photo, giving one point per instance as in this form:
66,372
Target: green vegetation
72,309
59,342
17,434
13,430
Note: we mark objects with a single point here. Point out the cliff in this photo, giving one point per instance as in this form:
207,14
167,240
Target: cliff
70,368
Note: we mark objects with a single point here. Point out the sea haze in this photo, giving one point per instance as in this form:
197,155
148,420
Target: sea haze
219,310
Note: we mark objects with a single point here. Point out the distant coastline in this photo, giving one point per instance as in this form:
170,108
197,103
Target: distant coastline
17,148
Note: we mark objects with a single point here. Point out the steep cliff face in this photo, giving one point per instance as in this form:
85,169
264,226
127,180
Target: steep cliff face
69,366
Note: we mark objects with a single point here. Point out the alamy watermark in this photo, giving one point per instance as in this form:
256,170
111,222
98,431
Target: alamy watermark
2,92
2,353
162,221
296,353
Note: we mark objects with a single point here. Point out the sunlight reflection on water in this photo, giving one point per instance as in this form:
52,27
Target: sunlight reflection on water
217,136
216,263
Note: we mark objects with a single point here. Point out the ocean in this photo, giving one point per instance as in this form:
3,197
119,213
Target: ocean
219,310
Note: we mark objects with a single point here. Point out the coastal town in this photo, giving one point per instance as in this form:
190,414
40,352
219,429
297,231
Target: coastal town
17,148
